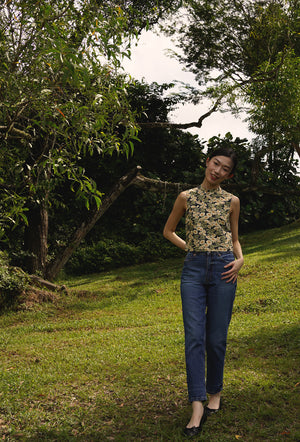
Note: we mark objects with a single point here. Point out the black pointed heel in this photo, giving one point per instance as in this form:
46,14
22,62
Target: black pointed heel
210,411
192,432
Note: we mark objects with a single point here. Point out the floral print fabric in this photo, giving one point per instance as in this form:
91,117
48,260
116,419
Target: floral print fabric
208,220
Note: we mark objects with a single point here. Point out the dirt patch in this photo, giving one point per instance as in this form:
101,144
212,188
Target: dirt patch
33,296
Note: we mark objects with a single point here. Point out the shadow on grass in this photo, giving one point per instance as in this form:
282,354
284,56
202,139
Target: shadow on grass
118,287
275,240
287,253
282,341
127,425
257,407
141,272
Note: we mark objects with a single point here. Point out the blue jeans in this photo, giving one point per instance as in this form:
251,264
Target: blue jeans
207,302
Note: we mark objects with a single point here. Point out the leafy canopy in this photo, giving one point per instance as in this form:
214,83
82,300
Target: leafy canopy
246,53
60,96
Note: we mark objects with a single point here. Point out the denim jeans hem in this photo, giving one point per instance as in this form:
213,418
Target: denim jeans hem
214,391
197,399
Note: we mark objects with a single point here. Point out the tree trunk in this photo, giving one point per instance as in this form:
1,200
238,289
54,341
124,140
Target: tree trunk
55,267
36,239
296,147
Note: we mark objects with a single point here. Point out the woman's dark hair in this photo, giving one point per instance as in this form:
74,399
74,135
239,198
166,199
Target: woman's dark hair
225,152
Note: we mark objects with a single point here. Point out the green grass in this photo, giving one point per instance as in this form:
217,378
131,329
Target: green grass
106,362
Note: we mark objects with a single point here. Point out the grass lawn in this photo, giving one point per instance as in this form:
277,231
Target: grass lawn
106,362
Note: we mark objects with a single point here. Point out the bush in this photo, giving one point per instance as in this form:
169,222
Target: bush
109,254
103,255
12,283
155,247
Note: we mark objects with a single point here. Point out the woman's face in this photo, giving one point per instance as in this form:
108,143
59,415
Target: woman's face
218,169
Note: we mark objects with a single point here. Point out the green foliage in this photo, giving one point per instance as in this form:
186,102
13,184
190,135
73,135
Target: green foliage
104,255
225,40
110,254
165,154
168,154
245,52
263,205
12,212
275,108
63,99
62,102
12,283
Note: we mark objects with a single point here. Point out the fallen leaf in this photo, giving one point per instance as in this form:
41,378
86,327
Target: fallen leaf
60,112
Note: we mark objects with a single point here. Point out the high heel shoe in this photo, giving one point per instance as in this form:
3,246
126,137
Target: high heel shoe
210,411
191,432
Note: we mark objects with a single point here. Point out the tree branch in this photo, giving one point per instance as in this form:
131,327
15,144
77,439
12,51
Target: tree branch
49,285
154,185
184,125
14,132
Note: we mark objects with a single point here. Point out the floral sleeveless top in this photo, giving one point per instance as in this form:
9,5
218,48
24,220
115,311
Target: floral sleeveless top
207,220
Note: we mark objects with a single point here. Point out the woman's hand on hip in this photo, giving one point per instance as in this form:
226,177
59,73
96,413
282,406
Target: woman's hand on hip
234,268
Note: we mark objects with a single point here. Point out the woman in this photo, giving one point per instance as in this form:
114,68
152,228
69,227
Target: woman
208,281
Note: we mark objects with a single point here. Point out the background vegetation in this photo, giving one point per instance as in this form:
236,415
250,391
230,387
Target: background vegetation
72,122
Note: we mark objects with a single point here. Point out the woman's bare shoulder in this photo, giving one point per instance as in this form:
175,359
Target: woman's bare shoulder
235,204
183,195
235,200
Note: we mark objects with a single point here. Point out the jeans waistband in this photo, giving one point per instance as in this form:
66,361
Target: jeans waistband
210,253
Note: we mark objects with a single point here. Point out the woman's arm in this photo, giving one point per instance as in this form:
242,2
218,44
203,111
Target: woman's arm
178,211
236,265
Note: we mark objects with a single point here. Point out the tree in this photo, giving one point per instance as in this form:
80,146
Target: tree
275,110
172,161
163,153
244,53
62,99
229,40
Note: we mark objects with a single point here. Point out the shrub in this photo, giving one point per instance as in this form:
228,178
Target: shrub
109,254
103,255
155,247
12,283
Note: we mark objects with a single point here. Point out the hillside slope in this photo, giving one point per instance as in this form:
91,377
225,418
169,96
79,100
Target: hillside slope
106,361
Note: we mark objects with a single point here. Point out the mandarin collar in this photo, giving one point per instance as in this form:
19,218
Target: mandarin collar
215,190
